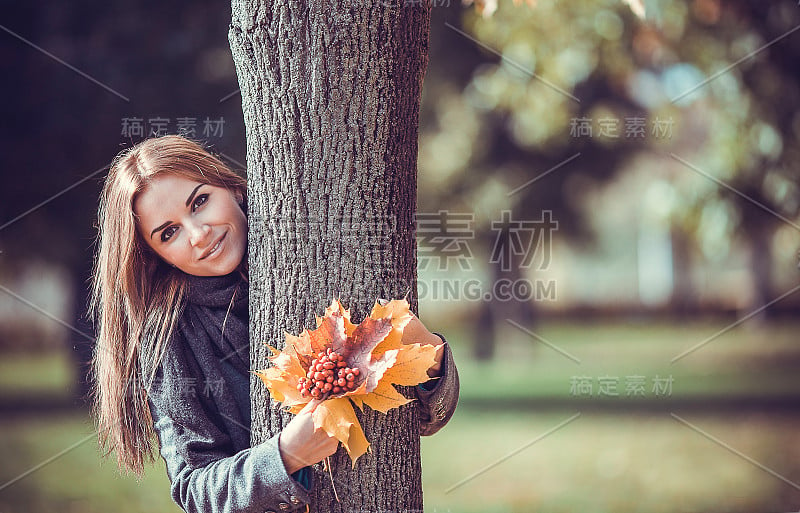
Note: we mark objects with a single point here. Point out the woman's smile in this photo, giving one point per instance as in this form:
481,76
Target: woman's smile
199,228
215,249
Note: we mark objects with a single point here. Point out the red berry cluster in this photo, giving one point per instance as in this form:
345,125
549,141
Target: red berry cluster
327,374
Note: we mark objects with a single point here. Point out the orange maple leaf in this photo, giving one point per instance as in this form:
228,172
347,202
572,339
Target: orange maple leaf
374,346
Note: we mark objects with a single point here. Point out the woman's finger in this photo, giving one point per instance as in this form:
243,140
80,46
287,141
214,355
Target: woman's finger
309,407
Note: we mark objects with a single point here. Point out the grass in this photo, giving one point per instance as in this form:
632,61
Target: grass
596,463
46,373
610,464
600,462
75,479
741,362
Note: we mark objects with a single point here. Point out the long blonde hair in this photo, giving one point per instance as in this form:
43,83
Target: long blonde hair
137,298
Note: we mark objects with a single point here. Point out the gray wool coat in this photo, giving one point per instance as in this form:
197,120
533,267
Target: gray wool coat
200,405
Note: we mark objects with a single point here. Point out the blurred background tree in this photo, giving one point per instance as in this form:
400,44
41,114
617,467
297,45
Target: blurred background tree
664,148
84,81
700,97
527,108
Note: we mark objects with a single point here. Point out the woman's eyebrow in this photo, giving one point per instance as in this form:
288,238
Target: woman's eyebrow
191,197
160,228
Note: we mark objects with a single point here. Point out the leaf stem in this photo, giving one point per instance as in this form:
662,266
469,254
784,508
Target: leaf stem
330,473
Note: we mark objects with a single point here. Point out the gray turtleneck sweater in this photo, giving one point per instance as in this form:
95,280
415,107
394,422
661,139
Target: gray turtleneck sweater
200,404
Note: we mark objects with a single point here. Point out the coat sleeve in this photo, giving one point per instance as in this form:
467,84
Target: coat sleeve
206,474
439,396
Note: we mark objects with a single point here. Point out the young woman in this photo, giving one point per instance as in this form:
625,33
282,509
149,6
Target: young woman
170,299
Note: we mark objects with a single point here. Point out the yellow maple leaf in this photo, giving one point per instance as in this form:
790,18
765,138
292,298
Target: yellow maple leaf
374,346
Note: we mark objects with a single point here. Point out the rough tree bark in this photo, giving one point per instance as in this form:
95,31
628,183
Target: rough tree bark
330,94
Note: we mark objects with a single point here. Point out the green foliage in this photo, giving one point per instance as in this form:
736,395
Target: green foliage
723,74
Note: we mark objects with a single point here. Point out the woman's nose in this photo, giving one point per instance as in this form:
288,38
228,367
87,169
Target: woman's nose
199,234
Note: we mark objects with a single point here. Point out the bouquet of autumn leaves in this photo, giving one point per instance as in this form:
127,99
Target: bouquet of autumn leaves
339,364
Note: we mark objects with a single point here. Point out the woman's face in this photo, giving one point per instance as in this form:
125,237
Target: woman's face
199,228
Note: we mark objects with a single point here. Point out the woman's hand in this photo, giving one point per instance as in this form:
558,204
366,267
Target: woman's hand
301,445
416,333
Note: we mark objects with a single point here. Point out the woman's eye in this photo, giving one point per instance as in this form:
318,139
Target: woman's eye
167,233
199,201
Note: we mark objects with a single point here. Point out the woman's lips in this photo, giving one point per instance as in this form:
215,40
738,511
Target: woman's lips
215,249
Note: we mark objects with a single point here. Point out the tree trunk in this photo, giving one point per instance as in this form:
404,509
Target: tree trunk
497,309
684,297
81,347
330,94
758,227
